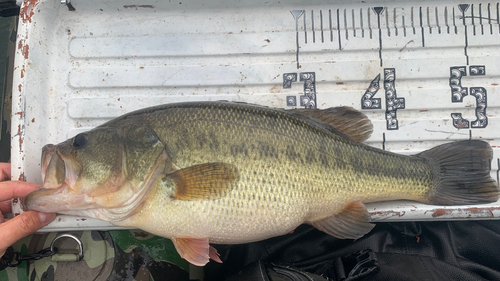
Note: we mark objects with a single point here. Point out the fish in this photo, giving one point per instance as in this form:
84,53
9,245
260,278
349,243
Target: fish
221,172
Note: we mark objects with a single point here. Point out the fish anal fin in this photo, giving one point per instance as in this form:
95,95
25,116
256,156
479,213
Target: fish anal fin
352,223
204,181
351,124
197,251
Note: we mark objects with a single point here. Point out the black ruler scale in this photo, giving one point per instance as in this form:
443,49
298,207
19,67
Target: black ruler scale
379,23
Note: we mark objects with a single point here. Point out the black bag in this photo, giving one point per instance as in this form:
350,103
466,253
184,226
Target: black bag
460,250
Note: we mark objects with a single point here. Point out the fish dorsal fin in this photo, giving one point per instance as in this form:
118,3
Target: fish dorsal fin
196,250
204,181
351,223
353,124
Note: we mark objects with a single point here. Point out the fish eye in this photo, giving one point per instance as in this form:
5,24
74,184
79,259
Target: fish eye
79,141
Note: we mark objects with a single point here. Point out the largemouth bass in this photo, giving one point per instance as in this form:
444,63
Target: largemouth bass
229,173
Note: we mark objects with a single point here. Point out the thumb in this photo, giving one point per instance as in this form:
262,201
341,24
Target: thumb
21,226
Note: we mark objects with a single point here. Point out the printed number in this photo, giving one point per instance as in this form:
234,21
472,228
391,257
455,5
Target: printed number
308,99
458,92
392,102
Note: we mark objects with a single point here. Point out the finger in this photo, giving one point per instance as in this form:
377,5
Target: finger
16,189
21,226
2,219
6,207
4,171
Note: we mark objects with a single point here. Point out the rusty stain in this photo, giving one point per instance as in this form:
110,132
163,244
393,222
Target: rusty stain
340,83
22,72
142,67
19,87
33,120
25,49
15,200
22,177
27,10
20,113
441,212
82,219
418,239
494,84
118,99
389,213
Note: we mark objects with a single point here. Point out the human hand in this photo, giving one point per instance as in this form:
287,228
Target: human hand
23,224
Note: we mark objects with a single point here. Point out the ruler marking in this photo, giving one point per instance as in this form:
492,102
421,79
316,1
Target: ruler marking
383,141
412,22
472,18
331,28
437,20
361,20
395,26
446,19
454,24
387,23
481,18
305,28
321,25
489,18
463,8
345,25
429,20
338,29
404,26
353,24
378,11
312,25
421,26
296,16
370,23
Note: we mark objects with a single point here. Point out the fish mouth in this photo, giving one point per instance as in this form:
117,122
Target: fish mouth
56,200
59,173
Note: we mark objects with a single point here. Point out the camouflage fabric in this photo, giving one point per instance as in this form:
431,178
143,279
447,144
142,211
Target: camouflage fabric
108,255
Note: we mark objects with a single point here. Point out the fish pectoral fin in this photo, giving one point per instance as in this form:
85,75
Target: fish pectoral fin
351,124
352,223
204,181
196,250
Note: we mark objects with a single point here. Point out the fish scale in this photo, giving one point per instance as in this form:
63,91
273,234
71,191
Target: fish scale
315,185
222,172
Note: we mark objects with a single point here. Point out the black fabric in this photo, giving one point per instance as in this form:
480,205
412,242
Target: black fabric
460,250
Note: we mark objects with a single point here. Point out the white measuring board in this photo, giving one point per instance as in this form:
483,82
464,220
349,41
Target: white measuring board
424,72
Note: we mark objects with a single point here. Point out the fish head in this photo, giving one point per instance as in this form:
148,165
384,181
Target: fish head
105,168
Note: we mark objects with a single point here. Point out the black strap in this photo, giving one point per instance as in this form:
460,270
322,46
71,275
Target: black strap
349,268
357,265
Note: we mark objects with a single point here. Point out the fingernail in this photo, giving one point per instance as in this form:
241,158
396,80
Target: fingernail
45,218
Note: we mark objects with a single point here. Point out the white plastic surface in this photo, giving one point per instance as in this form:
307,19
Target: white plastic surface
77,69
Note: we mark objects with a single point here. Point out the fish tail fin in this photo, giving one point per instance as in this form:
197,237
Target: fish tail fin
461,173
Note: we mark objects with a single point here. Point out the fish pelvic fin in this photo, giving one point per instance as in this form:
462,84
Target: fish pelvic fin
197,251
461,173
204,181
352,223
344,121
